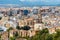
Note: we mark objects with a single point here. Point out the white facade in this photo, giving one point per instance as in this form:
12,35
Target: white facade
38,26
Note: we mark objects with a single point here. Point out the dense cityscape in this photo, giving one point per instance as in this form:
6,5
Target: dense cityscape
30,23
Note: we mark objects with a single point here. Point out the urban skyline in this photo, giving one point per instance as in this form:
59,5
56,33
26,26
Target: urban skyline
29,19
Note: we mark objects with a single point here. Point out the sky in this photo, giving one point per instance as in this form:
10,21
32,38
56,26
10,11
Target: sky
30,2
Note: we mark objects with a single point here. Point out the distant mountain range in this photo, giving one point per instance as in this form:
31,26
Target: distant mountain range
18,3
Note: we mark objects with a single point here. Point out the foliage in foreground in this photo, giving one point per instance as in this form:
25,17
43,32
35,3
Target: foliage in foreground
44,35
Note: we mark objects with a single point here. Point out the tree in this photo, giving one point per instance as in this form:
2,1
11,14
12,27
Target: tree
41,35
49,37
12,38
26,28
57,35
16,34
44,31
0,18
44,35
9,29
18,27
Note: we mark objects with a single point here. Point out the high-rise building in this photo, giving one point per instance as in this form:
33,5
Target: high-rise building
39,16
35,11
25,12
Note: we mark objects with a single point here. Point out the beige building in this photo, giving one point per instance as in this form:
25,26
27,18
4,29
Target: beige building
5,18
21,23
52,30
4,36
38,26
24,33
11,34
28,21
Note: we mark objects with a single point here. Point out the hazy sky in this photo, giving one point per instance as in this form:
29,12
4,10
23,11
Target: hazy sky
30,2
